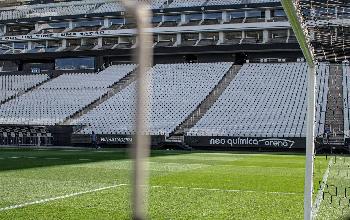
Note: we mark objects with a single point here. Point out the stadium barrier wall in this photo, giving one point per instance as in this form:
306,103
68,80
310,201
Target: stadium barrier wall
61,134
226,142
112,139
109,139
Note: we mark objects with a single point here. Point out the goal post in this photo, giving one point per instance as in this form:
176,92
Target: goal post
301,35
141,143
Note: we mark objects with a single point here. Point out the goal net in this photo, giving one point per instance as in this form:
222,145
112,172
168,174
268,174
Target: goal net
322,30
327,25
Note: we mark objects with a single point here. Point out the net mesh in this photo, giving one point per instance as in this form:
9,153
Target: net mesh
327,26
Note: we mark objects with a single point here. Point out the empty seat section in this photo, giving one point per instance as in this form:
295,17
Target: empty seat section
56,100
346,97
266,100
11,85
177,90
187,3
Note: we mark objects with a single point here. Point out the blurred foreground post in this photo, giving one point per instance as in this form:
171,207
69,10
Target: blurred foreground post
141,142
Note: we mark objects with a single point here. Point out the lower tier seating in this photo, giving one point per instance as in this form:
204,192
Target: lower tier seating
177,90
55,101
346,97
266,100
11,85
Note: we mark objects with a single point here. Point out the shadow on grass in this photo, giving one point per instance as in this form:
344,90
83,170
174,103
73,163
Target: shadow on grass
26,158
17,158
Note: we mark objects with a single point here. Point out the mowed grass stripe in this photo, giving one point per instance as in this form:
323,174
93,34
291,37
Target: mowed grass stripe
168,203
257,174
62,197
58,198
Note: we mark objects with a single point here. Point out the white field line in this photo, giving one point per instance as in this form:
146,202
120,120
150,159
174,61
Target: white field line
226,190
59,197
119,185
43,158
319,198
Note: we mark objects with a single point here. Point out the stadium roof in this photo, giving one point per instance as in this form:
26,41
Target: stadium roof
327,24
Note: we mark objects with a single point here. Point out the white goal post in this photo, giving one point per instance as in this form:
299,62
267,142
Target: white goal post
301,35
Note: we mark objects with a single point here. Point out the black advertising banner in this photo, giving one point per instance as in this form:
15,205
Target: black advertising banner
110,139
231,142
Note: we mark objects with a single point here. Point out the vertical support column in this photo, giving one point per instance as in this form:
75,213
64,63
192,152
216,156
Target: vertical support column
224,16
265,36
70,24
221,37
30,45
36,27
178,39
183,18
64,43
106,23
310,144
100,42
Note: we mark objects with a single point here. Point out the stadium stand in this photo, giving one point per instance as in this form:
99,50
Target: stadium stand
230,2
60,98
106,6
12,85
103,79
188,3
265,100
177,90
208,39
109,7
25,135
346,96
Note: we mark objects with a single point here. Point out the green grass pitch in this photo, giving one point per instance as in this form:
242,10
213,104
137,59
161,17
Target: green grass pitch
87,184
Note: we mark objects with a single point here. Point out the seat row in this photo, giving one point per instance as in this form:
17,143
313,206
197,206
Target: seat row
176,91
58,99
95,6
265,100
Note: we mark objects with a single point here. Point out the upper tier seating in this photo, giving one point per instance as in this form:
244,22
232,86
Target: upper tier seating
230,2
223,2
11,85
177,90
266,100
96,6
61,11
346,97
61,97
109,7
187,3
